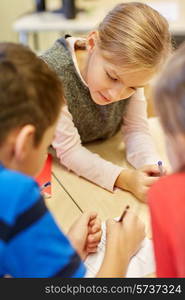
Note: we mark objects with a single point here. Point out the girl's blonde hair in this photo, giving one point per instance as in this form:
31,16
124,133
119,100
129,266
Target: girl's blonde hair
134,35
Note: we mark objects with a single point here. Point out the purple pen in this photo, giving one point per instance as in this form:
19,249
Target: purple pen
159,163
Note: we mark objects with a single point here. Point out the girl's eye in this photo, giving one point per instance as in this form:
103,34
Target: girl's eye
110,77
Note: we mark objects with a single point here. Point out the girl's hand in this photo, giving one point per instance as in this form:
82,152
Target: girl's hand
153,170
85,233
138,181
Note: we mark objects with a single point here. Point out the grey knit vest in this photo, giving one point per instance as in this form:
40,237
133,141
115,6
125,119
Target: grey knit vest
93,121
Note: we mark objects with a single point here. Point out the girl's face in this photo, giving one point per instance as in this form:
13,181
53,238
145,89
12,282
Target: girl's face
108,83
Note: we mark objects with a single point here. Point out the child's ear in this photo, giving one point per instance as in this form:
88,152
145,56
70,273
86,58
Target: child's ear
24,142
91,40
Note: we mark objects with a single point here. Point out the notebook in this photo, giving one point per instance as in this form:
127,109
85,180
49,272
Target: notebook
45,177
141,264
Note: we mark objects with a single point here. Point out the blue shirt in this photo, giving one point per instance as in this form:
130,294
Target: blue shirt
31,244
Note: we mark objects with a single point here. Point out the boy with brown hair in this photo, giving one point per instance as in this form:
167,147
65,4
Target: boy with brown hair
31,244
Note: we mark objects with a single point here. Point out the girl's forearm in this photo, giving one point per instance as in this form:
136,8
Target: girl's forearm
124,179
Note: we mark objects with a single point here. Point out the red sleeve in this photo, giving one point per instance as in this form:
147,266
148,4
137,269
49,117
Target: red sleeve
161,248
167,207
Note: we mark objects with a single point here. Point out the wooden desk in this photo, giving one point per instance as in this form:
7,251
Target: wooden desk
84,195
62,206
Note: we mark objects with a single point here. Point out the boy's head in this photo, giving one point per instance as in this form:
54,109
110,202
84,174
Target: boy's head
30,101
169,96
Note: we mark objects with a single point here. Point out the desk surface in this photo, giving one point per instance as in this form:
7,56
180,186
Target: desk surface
73,194
62,206
173,10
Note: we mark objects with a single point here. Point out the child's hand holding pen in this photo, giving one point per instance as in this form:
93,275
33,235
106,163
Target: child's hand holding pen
158,169
138,181
124,236
162,170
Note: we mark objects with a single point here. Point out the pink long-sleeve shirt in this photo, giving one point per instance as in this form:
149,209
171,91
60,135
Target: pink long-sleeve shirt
140,149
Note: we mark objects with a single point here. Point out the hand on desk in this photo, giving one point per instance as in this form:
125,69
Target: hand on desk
138,181
85,234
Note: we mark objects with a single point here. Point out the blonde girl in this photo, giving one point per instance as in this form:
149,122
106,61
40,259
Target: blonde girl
103,77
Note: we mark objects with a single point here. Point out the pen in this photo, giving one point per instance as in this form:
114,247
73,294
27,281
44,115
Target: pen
45,185
159,163
124,213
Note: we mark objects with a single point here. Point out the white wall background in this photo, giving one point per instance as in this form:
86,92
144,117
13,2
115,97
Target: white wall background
10,10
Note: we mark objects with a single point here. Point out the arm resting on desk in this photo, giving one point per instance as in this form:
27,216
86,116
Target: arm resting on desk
80,160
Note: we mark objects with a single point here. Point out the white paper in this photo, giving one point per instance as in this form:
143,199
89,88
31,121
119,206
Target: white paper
141,264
